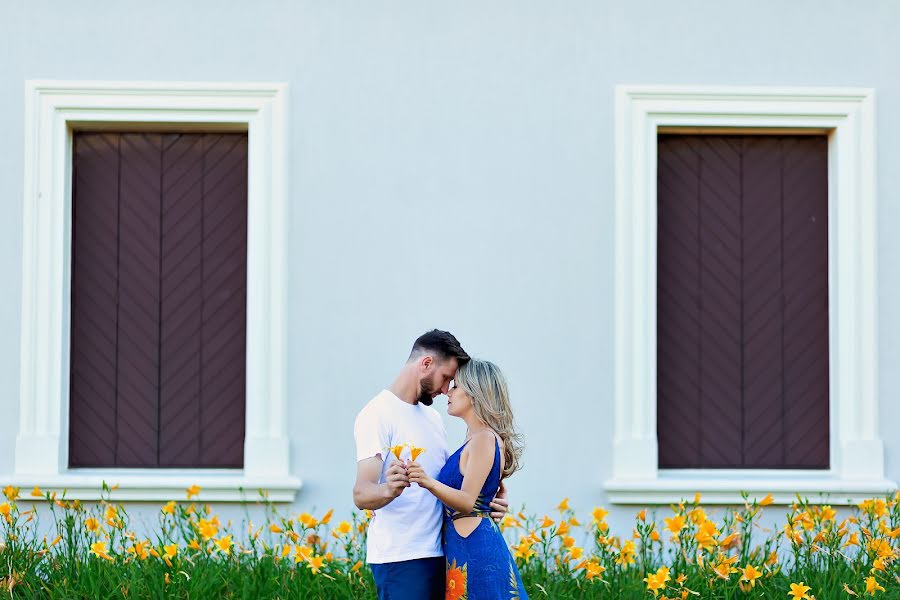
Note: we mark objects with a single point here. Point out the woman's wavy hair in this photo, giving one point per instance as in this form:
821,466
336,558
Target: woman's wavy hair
485,383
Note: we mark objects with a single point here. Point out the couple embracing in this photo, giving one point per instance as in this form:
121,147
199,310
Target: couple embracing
434,533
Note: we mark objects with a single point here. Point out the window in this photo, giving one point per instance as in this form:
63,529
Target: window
55,111
159,285
855,464
742,302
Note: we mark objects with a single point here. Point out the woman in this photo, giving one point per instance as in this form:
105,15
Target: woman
479,565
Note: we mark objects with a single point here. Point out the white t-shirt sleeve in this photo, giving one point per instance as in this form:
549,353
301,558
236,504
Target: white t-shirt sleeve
371,434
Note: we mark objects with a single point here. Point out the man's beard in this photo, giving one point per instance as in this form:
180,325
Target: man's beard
425,394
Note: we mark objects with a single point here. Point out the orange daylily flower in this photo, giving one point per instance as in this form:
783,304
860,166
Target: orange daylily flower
415,451
171,550
98,549
872,586
798,591
315,563
224,544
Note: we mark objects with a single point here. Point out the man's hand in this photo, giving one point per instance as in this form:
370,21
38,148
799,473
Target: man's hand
499,505
396,478
370,491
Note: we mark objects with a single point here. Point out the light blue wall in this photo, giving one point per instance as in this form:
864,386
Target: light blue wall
451,165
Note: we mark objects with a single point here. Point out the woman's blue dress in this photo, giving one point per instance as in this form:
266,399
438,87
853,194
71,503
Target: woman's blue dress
479,566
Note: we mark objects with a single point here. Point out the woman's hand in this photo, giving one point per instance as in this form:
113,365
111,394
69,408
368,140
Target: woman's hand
418,475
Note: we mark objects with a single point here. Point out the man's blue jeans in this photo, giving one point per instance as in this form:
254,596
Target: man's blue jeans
418,579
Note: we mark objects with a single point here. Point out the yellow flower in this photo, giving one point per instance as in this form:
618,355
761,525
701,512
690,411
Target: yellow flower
302,553
5,509
594,569
798,591
344,528
307,520
675,524
642,516
98,549
37,493
275,528
626,554
509,521
192,491
881,548
194,544
767,500
853,540
576,552
357,566
872,586
547,522
415,451
55,540
657,581
706,534
92,524
11,493
314,563
111,514
167,580
564,505
139,549
171,550
599,514
327,517
224,544
697,515
397,450
207,529
563,528
654,535
750,574
169,508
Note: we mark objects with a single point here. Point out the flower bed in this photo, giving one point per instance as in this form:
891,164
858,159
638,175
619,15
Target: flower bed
92,552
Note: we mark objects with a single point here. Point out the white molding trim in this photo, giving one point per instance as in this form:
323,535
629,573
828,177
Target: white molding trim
857,452
52,110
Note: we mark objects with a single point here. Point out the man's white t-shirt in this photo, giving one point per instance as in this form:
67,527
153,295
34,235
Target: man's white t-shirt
409,526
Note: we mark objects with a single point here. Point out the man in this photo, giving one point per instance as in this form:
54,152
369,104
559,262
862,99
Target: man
404,539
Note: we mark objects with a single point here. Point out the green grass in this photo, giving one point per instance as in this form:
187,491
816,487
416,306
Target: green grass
303,557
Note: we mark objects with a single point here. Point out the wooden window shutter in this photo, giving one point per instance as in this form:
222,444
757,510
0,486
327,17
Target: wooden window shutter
159,252
742,309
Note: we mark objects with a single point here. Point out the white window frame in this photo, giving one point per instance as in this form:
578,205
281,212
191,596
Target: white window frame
53,110
857,452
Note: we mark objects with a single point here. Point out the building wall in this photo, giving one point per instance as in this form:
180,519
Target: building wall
451,165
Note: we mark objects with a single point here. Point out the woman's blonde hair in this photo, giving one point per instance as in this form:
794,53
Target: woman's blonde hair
484,382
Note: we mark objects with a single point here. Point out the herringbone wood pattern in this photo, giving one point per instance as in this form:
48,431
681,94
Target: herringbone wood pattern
158,300
742,312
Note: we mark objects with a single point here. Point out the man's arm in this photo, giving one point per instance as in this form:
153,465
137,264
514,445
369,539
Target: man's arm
368,493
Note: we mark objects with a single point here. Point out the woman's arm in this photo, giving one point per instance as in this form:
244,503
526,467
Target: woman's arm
480,460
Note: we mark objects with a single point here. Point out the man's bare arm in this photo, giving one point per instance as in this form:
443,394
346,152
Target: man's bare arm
368,493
